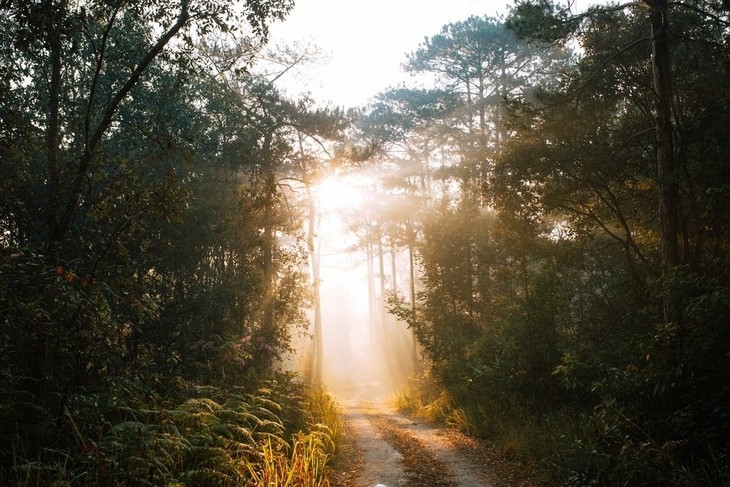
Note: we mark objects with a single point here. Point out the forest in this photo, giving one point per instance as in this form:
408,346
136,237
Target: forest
558,182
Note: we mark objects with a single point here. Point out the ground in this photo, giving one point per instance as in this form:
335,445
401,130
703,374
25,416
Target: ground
383,447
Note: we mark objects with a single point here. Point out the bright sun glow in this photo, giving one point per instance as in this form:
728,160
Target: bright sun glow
339,193
365,352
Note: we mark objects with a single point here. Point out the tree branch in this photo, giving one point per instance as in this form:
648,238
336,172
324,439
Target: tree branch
106,120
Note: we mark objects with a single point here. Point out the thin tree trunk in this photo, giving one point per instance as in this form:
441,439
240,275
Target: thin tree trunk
52,135
371,286
666,170
269,274
412,278
64,214
381,270
394,284
314,252
314,247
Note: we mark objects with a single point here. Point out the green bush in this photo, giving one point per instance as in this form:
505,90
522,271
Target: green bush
214,436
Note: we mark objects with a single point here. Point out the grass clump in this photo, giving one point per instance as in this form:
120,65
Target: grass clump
305,460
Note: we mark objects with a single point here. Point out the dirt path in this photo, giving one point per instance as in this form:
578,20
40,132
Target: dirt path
388,449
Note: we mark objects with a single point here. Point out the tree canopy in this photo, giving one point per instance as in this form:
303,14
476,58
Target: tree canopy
573,256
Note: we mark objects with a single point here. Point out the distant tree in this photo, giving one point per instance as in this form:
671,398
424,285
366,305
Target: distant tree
314,129
485,65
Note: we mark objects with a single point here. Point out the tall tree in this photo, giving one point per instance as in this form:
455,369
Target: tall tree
315,129
483,62
54,36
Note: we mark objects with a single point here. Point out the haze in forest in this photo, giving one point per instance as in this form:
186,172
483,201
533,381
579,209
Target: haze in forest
367,352
359,51
543,202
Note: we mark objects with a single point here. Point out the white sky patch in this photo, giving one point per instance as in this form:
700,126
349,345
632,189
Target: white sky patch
366,42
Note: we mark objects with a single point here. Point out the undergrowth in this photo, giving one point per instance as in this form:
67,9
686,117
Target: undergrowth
597,446
282,434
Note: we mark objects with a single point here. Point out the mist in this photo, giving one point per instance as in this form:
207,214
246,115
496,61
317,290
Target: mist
366,351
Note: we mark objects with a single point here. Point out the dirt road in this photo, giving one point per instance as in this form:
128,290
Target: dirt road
384,448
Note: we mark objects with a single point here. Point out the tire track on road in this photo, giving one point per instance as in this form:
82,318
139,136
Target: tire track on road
399,452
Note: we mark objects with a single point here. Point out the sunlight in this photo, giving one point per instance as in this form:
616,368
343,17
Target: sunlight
339,193
365,352
361,345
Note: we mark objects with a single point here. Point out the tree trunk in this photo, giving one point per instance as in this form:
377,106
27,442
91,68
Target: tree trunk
381,270
666,170
412,277
315,361
372,297
314,252
64,206
268,326
393,269
52,135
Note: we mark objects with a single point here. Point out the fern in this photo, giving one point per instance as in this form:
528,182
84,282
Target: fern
214,438
202,404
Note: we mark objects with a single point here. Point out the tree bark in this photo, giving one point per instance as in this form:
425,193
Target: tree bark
268,325
412,278
371,283
666,170
393,270
314,249
381,270
52,137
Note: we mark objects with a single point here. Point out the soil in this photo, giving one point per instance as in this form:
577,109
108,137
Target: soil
387,449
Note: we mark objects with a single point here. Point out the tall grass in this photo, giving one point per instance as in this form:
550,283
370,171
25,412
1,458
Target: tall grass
303,464
306,460
325,413
424,397
283,434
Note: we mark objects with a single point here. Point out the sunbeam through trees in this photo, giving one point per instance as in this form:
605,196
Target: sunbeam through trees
526,238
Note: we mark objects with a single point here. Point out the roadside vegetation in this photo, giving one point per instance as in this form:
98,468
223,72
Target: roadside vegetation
138,434
152,271
574,273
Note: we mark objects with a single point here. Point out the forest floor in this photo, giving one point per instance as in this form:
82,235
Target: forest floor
383,447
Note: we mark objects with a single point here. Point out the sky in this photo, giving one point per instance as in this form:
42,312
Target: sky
366,42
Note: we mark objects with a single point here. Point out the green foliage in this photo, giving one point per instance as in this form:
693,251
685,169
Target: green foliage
126,436
544,283
141,304
58,328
